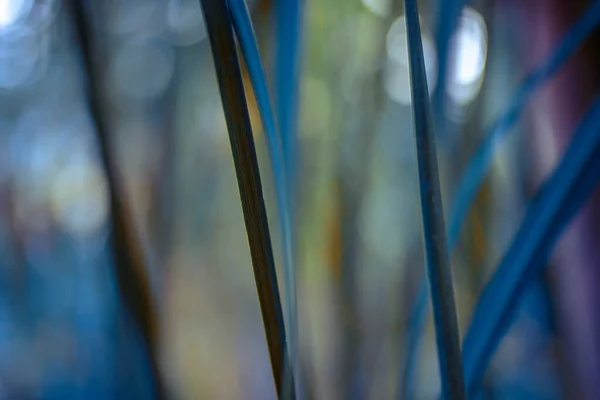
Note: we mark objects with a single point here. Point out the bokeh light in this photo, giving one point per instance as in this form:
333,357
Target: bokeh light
397,74
12,10
467,58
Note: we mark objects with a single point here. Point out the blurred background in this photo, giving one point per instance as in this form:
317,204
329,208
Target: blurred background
64,332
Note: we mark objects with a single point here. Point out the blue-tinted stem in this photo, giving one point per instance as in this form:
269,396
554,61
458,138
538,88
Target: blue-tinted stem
289,20
529,249
434,230
473,177
243,26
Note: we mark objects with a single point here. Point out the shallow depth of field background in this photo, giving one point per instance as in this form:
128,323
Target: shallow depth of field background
63,330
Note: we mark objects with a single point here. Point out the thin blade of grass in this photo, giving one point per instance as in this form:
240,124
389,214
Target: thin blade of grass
475,172
479,164
220,32
530,247
130,260
242,23
434,231
289,20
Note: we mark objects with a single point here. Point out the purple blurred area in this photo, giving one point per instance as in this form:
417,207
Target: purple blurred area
554,116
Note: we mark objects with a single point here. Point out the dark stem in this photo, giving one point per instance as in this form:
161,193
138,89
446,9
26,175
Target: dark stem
131,271
220,33
434,229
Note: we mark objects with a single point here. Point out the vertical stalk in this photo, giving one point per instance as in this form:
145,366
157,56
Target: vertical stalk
131,271
220,33
434,229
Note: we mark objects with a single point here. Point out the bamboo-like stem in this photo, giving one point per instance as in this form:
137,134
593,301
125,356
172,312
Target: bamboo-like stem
434,229
131,271
220,32
555,203
474,173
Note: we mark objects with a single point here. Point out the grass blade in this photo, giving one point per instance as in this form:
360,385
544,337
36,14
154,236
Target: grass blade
220,33
479,164
131,271
289,19
526,255
434,230
475,172
242,23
